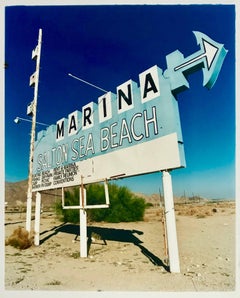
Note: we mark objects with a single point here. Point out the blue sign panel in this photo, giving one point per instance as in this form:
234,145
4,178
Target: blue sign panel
131,132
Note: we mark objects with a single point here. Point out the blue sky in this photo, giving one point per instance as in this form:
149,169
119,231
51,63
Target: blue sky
108,45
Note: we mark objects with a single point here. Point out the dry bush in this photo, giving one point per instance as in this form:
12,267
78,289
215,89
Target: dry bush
20,239
200,211
200,215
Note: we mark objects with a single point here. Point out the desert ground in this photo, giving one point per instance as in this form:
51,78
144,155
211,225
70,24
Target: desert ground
127,256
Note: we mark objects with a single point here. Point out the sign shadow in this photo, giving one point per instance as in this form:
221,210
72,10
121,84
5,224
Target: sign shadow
107,234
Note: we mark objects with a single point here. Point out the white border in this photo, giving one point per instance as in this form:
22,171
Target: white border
40,294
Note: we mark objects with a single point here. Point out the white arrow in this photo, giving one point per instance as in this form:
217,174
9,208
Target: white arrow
210,52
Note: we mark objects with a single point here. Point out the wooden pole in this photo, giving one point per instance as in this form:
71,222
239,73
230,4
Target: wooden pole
164,227
34,111
165,234
82,194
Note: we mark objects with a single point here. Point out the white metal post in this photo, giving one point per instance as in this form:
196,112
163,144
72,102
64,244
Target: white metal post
34,111
37,219
170,223
83,221
83,233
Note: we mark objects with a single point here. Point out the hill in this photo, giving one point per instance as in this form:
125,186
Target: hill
15,191
16,194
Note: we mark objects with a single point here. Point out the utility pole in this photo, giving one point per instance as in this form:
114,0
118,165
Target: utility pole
34,79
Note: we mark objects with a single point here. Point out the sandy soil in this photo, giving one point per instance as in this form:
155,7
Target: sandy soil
127,256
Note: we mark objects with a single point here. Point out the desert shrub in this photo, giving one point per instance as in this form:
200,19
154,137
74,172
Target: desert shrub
54,283
200,215
149,205
192,211
20,239
124,205
197,210
208,213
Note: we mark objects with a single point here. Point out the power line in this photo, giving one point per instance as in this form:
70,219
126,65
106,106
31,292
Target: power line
87,82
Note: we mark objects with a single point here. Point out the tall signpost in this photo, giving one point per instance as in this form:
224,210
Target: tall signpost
172,242
34,79
133,132
210,58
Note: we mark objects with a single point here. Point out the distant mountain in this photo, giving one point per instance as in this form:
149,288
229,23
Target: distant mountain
16,191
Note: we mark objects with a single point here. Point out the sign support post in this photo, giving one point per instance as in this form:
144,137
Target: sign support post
37,219
83,233
170,223
83,220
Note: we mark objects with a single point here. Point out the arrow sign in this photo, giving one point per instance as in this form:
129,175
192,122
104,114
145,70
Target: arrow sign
210,58
210,52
